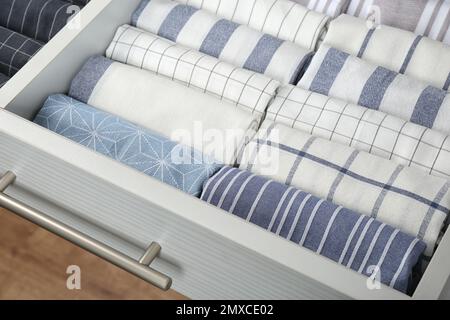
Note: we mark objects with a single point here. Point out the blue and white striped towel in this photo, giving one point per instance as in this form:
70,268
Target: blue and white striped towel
244,88
337,74
357,242
399,50
223,39
405,198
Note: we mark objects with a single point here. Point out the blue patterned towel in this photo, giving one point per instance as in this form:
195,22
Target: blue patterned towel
150,153
226,40
355,241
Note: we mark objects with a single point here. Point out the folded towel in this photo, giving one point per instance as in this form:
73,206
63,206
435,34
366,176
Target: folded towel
37,19
80,3
188,116
332,8
337,74
223,39
279,18
357,242
15,51
3,79
395,49
364,129
403,197
247,89
142,149
425,17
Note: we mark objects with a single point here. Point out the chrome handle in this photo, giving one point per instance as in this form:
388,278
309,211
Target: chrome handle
140,269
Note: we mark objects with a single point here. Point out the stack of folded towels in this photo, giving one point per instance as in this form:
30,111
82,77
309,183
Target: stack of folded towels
331,135
25,26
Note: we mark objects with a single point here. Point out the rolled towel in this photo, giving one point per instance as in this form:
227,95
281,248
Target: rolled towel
279,18
392,48
364,129
247,89
357,242
137,147
3,79
233,43
332,8
37,19
15,51
403,197
214,127
80,3
340,75
426,17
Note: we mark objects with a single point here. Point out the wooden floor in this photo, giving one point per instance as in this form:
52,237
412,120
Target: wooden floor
33,265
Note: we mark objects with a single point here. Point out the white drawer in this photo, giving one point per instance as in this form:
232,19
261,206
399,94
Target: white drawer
208,253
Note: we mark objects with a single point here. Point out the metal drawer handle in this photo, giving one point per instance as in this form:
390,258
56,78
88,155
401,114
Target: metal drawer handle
140,269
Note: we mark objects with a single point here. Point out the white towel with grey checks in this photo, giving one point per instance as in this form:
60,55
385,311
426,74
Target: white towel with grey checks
243,88
364,129
228,41
403,197
280,18
395,49
333,8
337,74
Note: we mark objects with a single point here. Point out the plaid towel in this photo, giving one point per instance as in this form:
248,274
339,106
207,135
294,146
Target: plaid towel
279,18
144,150
395,49
15,51
3,79
200,120
37,19
425,17
357,242
80,3
223,39
333,8
337,74
249,90
364,129
405,198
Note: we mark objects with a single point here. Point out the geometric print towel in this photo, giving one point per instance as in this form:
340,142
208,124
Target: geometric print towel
365,129
405,198
280,18
395,49
15,51
244,88
337,74
139,148
228,41
357,242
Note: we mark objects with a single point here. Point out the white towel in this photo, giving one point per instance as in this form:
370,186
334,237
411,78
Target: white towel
405,198
393,48
280,18
247,89
213,127
333,8
364,129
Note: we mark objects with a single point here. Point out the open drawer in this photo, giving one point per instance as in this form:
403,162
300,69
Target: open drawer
208,253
